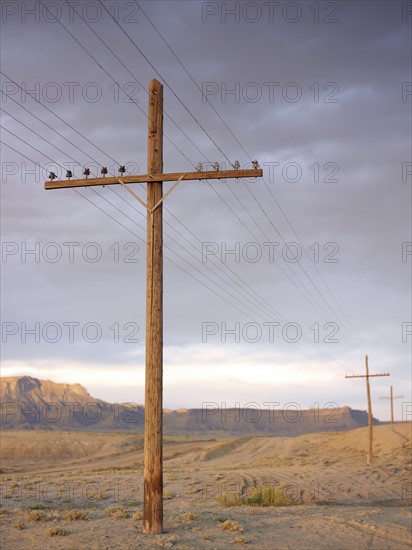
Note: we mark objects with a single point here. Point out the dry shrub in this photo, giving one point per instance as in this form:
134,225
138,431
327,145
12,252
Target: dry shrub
57,532
240,540
75,515
36,515
261,496
232,526
188,517
228,500
118,512
19,524
37,506
137,516
266,496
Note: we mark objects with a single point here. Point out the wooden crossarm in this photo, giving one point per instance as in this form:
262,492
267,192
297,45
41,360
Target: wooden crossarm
143,178
365,375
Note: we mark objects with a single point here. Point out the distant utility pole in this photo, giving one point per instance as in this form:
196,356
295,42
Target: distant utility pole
368,393
153,437
391,397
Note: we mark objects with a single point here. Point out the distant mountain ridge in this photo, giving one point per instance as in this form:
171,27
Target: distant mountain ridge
27,403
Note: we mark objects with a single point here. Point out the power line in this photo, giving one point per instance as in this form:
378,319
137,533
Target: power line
169,259
113,159
107,73
125,227
166,83
174,252
289,268
271,193
74,160
94,59
138,82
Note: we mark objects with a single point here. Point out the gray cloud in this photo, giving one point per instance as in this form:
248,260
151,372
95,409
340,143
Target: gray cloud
363,139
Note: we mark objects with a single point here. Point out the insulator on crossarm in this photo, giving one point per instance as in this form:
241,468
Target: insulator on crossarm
255,164
199,167
216,166
122,170
103,171
236,165
86,172
52,176
69,174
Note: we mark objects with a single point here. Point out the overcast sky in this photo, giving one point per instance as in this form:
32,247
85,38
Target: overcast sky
320,93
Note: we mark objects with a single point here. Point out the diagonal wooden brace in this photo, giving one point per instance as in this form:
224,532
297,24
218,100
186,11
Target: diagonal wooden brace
151,210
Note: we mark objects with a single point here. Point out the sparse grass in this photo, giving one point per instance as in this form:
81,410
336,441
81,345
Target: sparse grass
267,496
137,516
206,536
232,526
230,499
118,512
221,519
240,540
4,512
188,517
261,496
37,506
19,524
36,515
57,532
75,515
168,495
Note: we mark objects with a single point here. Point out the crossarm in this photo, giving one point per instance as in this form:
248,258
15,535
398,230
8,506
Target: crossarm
143,178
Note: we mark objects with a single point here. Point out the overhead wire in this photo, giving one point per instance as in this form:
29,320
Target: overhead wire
169,259
306,296
263,179
71,126
217,192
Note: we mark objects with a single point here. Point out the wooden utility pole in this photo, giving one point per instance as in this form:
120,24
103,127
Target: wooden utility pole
370,418
391,397
153,455
153,432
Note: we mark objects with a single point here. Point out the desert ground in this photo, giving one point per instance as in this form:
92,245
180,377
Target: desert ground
72,490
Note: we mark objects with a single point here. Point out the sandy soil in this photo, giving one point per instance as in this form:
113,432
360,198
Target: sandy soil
336,500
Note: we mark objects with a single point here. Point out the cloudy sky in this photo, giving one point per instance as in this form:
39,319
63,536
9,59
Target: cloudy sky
274,288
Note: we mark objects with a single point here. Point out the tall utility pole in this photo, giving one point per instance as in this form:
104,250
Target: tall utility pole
153,436
368,393
391,397
153,432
